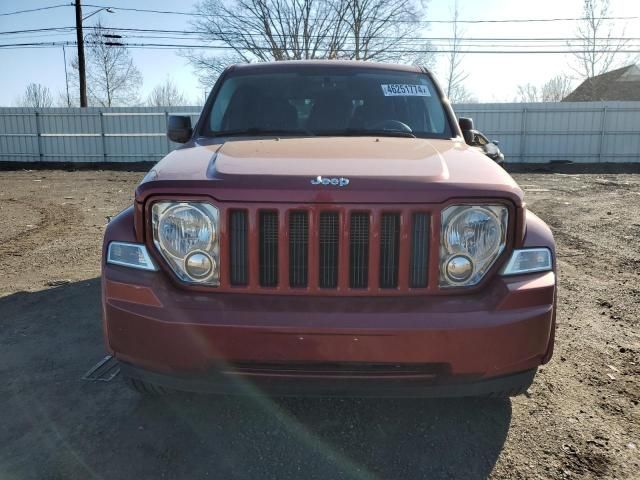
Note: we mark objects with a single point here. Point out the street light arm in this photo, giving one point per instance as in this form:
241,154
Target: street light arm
108,9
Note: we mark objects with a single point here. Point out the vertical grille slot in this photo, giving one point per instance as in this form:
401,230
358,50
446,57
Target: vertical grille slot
268,249
419,250
238,247
329,237
389,250
298,249
359,250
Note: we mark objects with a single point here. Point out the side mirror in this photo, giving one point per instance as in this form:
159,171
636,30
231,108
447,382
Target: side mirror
495,142
179,128
466,125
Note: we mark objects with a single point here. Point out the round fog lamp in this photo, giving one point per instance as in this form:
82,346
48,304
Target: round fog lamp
198,265
459,268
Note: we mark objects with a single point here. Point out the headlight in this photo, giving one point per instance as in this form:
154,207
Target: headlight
185,233
472,238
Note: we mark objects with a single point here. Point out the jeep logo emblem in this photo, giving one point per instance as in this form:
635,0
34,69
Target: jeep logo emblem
339,182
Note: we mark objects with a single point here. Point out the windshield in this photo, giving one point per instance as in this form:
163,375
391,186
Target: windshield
329,102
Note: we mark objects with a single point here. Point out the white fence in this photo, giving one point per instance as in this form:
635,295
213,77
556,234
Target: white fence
582,132
590,132
86,134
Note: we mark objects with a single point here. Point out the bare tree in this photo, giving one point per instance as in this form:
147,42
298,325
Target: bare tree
66,101
528,93
553,90
267,30
36,96
556,88
427,58
380,29
263,30
166,95
112,77
456,76
209,67
598,47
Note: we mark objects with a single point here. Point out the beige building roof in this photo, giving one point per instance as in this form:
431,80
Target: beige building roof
621,84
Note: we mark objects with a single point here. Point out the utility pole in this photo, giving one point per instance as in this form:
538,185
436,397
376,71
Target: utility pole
66,77
81,67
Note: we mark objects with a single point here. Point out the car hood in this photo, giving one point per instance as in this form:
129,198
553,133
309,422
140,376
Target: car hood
378,170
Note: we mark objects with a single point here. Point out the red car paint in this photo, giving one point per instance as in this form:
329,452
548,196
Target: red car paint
426,336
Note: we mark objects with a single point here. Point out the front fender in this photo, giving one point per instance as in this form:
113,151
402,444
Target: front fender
538,234
121,228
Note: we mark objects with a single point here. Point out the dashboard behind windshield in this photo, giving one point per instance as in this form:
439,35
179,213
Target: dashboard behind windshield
328,102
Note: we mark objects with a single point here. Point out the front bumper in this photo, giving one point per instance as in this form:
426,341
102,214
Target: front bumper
399,344
230,382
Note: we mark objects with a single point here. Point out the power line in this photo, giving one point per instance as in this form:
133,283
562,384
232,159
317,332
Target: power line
31,36
35,9
382,37
141,10
397,51
532,20
48,29
437,44
516,20
341,50
68,30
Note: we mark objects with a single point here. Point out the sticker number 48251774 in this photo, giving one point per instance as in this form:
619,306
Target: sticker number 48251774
404,90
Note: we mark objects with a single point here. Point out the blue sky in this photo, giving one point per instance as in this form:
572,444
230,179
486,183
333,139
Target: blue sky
491,77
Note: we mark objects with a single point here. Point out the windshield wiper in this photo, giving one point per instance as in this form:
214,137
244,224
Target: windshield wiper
356,132
259,131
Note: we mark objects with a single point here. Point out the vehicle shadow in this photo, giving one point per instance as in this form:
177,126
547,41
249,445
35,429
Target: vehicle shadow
57,426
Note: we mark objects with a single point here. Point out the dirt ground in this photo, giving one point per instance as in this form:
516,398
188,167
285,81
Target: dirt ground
580,419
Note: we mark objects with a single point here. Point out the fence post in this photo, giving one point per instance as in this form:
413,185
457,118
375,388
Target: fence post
523,134
166,125
603,126
38,134
104,140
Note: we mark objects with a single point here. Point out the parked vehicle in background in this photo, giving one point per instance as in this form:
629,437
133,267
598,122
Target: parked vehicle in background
325,229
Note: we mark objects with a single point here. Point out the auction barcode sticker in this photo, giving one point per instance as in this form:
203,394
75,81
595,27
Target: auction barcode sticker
403,90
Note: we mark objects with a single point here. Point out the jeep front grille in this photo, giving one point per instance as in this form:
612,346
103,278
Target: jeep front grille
322,249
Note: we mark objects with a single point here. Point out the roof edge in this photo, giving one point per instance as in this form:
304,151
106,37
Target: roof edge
338,64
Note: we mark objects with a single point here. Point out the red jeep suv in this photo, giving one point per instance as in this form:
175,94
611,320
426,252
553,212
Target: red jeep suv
325,229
